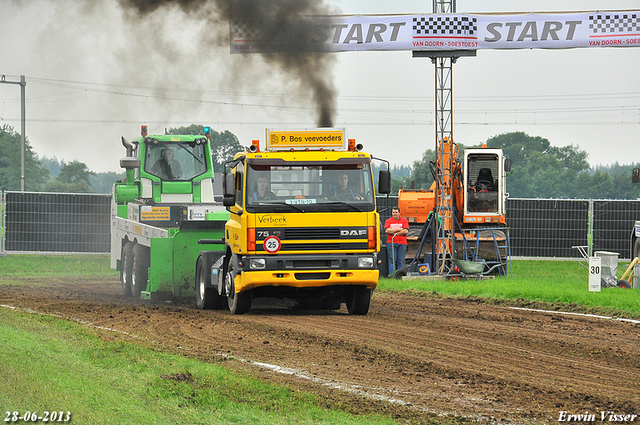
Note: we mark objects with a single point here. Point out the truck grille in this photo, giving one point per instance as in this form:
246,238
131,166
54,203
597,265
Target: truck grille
323,246
319,246
312,233
348,238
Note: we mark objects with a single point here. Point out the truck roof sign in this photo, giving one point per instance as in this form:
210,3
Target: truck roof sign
313,139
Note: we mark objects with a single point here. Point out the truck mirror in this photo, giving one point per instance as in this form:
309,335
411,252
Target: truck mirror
229,185
635,176
229,201
130,162
507,165
384,182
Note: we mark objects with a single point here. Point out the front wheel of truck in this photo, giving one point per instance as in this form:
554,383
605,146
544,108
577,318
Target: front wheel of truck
239,303
358,299
207,297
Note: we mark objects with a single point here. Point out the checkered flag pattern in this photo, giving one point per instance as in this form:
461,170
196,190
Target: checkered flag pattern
445,25
614,24
244,32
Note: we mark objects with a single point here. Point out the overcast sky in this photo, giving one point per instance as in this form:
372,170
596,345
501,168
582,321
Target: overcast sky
95,74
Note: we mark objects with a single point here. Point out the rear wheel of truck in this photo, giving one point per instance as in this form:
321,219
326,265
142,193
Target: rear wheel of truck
239,303
126,261
358,299
140,269
207,297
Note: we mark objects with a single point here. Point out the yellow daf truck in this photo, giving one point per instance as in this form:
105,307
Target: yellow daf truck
303,225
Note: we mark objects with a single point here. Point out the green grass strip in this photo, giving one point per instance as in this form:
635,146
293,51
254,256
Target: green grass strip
27,265
551,282
49,364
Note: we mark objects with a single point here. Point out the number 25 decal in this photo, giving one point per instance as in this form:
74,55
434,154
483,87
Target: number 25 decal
272,244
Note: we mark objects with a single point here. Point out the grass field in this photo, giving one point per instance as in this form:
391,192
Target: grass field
38,265
51,364
545,284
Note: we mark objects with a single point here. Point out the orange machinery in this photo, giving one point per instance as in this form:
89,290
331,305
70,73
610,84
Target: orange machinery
473,190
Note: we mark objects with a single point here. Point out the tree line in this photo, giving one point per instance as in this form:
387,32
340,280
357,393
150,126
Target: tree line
539,169
43,174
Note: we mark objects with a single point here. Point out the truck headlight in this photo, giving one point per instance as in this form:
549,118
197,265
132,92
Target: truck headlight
257,264
365,262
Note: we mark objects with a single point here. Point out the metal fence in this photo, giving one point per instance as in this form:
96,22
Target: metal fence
55,222
62,222
550,227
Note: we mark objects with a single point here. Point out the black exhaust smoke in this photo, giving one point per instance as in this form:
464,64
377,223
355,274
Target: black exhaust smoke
285,29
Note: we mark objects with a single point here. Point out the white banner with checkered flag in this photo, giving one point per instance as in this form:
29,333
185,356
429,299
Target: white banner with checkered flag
447,32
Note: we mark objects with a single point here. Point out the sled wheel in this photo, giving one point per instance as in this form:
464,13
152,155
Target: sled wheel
126,261
140,269
207,297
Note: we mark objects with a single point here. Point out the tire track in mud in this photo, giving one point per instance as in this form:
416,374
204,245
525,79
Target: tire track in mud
480,359
439,355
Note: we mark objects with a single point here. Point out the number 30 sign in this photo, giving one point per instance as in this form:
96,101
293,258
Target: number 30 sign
595,274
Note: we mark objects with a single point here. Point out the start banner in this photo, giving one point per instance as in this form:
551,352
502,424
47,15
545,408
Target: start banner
446,32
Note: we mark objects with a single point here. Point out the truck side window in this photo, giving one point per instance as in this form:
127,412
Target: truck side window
240,187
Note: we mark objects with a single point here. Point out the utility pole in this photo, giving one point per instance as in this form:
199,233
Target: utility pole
23,125
444,147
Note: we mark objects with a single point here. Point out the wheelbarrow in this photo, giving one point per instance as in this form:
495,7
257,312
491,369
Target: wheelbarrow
469,268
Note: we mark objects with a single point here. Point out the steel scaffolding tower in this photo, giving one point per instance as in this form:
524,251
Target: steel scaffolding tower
444,146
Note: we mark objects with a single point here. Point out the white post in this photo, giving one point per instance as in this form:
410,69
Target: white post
595,274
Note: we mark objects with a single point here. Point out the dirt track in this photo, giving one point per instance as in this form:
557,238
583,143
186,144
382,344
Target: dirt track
411,356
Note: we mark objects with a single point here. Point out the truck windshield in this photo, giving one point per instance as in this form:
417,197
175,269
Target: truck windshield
175,161
346,187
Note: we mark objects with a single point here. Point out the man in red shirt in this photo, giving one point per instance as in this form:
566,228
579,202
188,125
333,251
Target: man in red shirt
396,229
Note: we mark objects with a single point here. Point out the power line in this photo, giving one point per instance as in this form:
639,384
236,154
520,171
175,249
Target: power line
92,86
298,122
561,115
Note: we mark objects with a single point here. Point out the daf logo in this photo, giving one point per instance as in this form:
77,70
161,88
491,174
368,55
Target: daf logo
361,232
